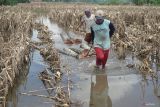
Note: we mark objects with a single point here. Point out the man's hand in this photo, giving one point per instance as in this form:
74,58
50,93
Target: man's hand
90,44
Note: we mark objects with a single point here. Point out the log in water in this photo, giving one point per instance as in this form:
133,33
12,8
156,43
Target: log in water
84,46
78,51
68,52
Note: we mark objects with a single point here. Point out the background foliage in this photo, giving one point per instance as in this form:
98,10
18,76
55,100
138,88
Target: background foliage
12,2
136,2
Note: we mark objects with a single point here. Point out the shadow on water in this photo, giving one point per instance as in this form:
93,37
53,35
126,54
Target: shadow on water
118,87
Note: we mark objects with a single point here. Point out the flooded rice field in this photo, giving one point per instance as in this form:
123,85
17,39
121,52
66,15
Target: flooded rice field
118,86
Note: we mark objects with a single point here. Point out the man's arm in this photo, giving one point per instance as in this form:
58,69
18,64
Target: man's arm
81,23
112,29
92,35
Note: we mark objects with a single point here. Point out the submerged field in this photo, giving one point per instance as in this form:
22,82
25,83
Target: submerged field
135,50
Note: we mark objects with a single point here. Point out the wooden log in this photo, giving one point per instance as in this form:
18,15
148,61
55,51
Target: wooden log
69,36
78,51
63,37
68,41
68,53
84,46
77,41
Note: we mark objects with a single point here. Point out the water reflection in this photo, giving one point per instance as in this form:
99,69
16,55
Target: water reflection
99,92
154,85
12,98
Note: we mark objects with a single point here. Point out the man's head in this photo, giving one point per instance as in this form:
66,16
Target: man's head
87,12
99,16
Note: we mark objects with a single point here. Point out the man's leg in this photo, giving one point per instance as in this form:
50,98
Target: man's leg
99,56
106,53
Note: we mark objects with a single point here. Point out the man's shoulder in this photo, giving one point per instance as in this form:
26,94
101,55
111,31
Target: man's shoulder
107,21
93,24
92,15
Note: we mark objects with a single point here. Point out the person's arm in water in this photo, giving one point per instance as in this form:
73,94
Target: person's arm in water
112,29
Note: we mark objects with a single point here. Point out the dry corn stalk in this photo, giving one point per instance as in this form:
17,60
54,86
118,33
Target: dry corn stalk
136,27
15,32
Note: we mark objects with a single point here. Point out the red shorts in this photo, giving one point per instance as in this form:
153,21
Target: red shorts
101,56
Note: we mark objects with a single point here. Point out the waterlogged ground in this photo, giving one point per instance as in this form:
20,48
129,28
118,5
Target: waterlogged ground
118,86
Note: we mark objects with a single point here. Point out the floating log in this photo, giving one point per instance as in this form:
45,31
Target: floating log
74,39
78,51
70,40
66,40
63,37
77,41
69,36
72,53
84,46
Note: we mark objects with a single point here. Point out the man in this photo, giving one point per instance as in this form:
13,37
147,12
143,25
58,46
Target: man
88,19
101,32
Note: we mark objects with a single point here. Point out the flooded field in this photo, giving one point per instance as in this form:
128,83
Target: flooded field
118,86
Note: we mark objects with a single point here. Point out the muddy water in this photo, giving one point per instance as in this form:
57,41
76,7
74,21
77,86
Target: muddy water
29,82
118,86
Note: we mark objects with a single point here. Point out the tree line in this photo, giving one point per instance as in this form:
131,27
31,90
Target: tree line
141,2
137,2
13,2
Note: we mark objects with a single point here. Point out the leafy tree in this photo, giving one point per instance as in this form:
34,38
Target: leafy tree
140,2
12,2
